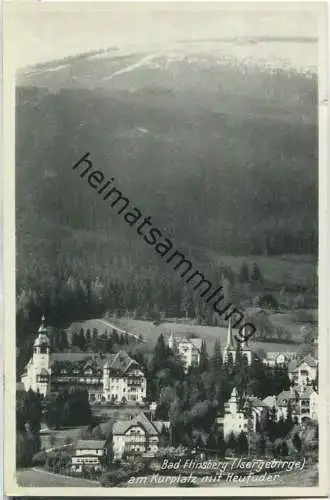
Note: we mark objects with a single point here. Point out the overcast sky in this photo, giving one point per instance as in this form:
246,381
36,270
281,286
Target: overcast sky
41,32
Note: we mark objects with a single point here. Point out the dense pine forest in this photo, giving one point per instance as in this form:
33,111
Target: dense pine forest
222,157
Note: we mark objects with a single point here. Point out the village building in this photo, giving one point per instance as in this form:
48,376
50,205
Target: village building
89,454
304,371
234,420
106,377
188,350
136,436
279,359
303,402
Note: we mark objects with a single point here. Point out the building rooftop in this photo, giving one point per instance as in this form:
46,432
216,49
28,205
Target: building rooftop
118,363
309,360
41,340
90,444
122,426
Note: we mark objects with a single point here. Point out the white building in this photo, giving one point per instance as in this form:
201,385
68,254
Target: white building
89,455
136,436
246,419
234,420
280,359
303,372
111,377
188,350
303,401
38,370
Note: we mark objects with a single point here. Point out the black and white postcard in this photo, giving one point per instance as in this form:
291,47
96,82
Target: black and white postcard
165,191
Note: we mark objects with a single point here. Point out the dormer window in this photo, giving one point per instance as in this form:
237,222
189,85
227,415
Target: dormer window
63,371
89,371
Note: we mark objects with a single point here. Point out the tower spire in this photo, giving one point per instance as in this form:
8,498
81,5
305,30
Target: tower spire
42,327
244,341
229,336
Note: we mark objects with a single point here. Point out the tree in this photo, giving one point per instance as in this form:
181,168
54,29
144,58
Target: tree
308,334
221,445
75,339
28,418
261,445
216,362
81,340
88,336
63,343
242,444
269,301
256,274
299,302
243,276
296,441
231,442
28,410
164,437
160,352
68,409
288,420
204,359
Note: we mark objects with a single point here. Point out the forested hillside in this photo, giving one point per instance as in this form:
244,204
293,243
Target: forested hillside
222,156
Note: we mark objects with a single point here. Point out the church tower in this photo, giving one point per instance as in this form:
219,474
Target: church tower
41,361
233,402
230,348
246,351
106,380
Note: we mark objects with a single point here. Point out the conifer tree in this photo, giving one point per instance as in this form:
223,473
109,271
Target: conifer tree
231,442
88,336
204,359
243,276
256,274
221,445
216,360
242,445
296,441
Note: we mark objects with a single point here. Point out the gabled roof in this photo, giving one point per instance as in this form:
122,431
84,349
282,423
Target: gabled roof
196,343
121,362
122,426
70,356
43,371
309,360
118,363
90,444
270,401
286,396
256,402
42,339
307,391
274,355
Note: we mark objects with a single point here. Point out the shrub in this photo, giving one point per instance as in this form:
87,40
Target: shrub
114,477
39,459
